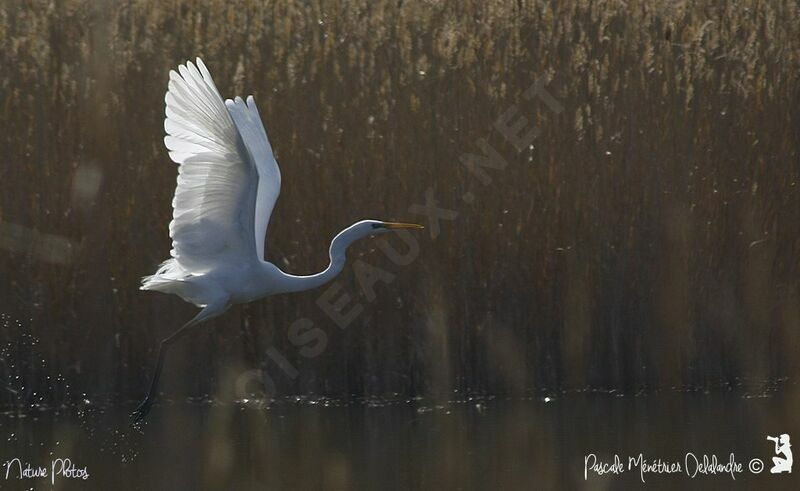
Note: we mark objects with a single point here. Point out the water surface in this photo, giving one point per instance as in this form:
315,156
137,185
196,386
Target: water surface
474,443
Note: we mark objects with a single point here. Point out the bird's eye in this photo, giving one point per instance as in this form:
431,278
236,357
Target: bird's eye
377,225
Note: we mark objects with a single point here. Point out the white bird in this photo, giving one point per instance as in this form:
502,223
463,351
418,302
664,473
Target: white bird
228,182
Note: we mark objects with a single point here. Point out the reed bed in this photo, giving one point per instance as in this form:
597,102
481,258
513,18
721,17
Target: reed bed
648,239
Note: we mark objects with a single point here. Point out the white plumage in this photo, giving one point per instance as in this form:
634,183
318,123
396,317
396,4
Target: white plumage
221,205
228,183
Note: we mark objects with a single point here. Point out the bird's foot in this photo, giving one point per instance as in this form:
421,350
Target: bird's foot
141,412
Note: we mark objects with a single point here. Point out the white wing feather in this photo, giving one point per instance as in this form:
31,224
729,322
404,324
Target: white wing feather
226,164
254,136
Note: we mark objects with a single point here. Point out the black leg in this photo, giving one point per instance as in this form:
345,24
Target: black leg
144,408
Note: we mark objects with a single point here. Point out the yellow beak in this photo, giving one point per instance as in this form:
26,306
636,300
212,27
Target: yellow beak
401,225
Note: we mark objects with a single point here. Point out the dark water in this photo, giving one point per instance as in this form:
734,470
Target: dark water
470,444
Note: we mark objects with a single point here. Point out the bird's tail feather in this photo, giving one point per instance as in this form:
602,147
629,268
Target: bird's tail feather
172,278
169,273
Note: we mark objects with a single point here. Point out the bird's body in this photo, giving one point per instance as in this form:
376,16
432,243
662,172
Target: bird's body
228,183
234,282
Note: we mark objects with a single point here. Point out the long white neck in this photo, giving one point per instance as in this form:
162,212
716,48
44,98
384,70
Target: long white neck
337,251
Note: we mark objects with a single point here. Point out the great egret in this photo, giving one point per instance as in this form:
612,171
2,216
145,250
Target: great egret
228,182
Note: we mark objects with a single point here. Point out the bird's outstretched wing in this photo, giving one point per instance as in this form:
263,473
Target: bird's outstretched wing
226,171
254,136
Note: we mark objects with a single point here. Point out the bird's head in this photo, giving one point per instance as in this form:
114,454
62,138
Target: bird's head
375,227
365,228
